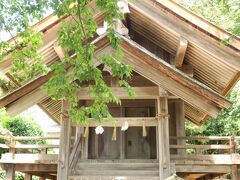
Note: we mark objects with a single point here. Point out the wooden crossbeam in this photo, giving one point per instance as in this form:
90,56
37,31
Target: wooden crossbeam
25,89
132,122
140,93
38,94
26,102
181,51
8,74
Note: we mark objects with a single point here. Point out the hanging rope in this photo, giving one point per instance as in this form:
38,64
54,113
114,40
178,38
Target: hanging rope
144,129
114,135
86,132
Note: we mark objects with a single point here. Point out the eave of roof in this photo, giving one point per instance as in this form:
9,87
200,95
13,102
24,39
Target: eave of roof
161,65
185,80
49,24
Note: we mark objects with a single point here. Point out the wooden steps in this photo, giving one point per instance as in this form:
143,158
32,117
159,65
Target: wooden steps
112,178
117,170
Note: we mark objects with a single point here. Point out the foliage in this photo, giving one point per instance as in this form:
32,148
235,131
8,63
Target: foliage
226,124
223,13
73,36
18,175
19,126
226,14
5,85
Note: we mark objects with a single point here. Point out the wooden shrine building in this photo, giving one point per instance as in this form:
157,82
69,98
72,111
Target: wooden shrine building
181,71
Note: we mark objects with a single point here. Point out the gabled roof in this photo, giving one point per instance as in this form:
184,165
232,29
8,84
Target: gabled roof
153,68
164,22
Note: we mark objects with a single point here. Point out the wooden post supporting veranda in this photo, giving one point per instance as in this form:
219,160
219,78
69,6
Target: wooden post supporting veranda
10,172
235,175
163,135
28,177
64,150
180,124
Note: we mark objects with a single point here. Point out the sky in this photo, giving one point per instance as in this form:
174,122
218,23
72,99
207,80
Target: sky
46,123
4,36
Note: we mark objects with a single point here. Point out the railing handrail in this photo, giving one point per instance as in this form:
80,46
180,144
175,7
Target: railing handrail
204,137
195,146
29,146
27,138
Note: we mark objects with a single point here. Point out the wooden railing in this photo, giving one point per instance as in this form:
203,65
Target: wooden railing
15,142
182,148
211,150
20,151
207,144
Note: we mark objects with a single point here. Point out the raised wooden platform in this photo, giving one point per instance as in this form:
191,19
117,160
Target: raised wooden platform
45,165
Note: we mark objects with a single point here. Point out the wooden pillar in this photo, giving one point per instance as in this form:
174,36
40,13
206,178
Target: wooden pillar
64,150
10,172
27,176
180,124
85,147
122,136
157,131
235,175
163,135
84,143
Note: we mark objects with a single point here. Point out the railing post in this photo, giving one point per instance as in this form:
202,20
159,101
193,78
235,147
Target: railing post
27,176
232,144
10,173
180,125
12,147
234,172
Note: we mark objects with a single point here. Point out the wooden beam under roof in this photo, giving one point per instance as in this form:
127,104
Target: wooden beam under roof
60,51
181,51
13,96
25,102
10,77
38,94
